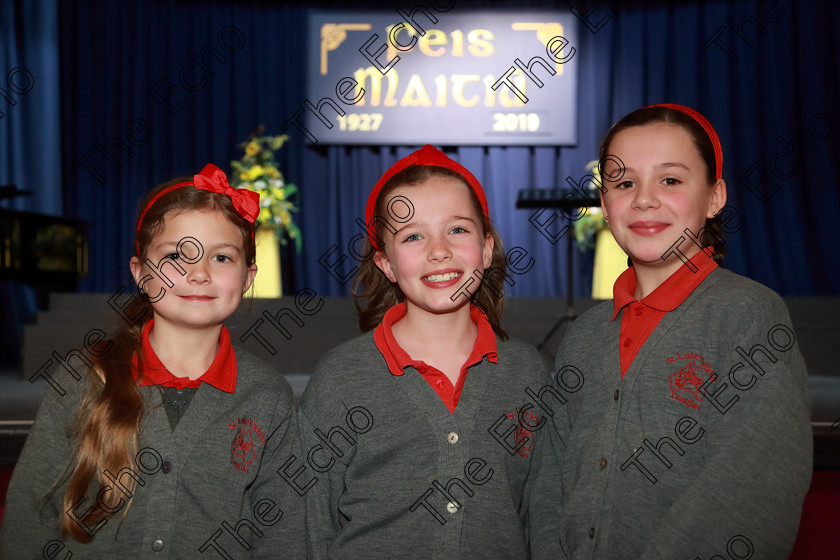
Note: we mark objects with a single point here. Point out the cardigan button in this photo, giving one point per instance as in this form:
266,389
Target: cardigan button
157,545
452,437
592,533
451,507
166,467
602,463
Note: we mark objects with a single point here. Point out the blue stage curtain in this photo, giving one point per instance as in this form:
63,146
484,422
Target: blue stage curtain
119,62
30,148
784,79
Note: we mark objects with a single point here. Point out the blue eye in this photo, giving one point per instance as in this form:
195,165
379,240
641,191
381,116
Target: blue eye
412,237
458,229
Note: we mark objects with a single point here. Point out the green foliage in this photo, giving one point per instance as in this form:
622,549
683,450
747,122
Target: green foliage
259,171
592,221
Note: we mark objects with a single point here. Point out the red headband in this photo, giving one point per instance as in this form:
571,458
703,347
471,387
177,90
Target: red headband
427,155
707,126
213,179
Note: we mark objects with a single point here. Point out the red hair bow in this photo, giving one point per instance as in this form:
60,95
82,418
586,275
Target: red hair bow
213,179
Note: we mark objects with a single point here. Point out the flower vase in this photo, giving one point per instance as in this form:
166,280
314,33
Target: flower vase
610,262
268,283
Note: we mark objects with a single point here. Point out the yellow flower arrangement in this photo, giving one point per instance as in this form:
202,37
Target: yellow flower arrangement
588,225
258,170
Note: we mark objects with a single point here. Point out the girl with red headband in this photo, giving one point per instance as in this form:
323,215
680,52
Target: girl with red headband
420,434
169,434
691,436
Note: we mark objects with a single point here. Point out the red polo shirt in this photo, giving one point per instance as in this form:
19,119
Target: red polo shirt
397,358
642,317
221,374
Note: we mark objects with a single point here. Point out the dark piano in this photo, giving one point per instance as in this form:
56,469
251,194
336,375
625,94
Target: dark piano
48,252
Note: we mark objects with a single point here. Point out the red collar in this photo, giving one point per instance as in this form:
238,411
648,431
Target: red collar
398,359
221,375
671,293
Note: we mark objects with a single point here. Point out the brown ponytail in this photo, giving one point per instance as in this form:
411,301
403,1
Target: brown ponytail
107,427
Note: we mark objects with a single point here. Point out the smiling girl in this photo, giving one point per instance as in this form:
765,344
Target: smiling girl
421,426
691,436
169,435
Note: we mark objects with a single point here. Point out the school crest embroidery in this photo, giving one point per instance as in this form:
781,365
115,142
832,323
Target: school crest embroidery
523,433
246,444
686,381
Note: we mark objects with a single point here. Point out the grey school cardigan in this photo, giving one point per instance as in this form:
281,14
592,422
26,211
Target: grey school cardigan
391,473
207,487
704,446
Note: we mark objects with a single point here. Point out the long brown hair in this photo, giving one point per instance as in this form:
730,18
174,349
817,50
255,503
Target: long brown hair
374,293
712,231
108,423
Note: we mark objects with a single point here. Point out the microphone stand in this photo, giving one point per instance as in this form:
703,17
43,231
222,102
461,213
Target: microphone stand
566,200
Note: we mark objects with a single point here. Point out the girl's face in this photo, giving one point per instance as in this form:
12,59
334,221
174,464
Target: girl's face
213,285
662,193
435,252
